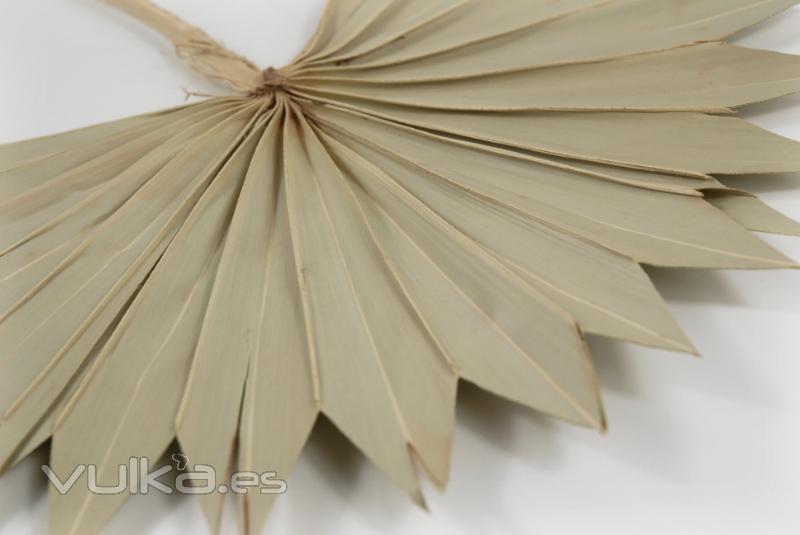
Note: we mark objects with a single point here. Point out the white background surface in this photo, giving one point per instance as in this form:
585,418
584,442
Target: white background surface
704,446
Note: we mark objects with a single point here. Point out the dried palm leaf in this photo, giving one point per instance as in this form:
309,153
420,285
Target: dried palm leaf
432,191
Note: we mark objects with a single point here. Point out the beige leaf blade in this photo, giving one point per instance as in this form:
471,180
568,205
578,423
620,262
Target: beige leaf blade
640,178
41,171
684,143
433,190
610,30
754,214
649,227
350,369
279,408
395,23
207,423
361,18
20,152
606,293
336,13
44,428
707,78
540,359
43,233
650,180
111,436
142,375
420,377
93,187
41,431
134,387
75,309
477,21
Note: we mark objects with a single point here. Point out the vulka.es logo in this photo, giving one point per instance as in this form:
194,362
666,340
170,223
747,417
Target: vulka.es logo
137,478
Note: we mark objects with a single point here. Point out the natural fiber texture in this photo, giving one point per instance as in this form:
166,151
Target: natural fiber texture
433,190
200,50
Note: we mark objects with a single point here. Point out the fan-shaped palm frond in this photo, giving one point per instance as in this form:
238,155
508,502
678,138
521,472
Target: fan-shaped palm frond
433,190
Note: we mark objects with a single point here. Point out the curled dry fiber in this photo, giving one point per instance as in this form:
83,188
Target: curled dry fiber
432,190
